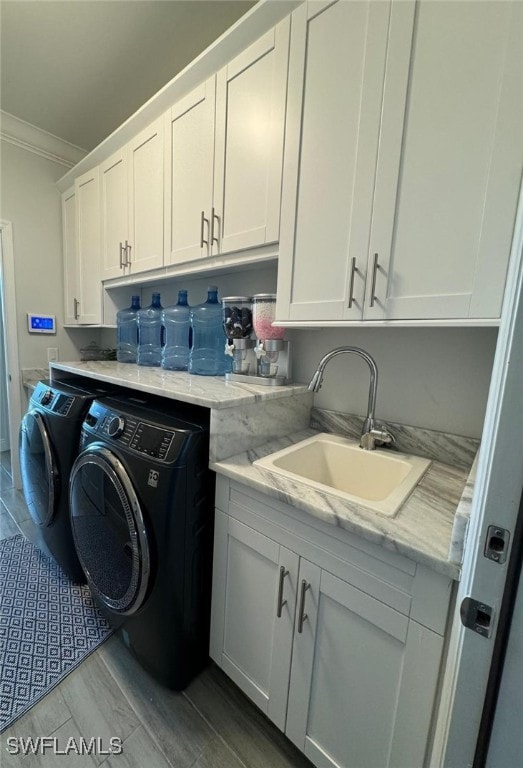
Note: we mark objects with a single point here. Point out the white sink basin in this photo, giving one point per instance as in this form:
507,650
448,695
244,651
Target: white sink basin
379,480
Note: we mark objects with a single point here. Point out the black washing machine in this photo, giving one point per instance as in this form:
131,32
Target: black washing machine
48,445
142,512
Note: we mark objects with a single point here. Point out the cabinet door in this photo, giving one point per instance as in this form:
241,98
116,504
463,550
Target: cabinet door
336,72
363,679
189,153
71,275
249,640
450,160
88,242
115,214
146,187
250,117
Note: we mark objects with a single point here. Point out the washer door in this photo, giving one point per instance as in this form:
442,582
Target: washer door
108,530
39,470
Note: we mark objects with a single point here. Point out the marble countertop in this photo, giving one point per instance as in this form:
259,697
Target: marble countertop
422,530
209,391
430,528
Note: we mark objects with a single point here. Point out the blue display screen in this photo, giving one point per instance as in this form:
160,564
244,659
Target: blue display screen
42,323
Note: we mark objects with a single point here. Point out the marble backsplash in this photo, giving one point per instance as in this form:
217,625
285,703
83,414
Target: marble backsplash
439,446
248,426
31,376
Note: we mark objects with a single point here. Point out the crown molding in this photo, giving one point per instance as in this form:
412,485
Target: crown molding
39,142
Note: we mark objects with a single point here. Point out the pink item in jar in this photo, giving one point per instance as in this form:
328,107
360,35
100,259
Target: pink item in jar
263,313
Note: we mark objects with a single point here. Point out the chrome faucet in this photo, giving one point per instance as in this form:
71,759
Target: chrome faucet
372,432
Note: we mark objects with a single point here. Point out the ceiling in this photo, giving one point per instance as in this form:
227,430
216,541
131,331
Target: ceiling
79,68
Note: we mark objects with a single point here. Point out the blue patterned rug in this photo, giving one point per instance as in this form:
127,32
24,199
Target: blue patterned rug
48,626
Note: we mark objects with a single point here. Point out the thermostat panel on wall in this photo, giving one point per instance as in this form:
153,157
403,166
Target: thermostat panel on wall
41,323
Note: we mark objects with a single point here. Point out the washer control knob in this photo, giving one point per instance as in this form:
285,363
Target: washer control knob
47,397
116,426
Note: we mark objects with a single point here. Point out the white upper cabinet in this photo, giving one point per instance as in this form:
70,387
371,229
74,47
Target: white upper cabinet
450,161
115,216
131,183
403,158
189,153
224,150
83,299
336,69
71,274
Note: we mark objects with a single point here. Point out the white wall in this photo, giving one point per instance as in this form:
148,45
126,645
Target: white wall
427,377
31,202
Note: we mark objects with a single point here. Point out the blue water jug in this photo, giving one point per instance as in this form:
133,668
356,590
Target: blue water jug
207,357
127,332
150,333
177,330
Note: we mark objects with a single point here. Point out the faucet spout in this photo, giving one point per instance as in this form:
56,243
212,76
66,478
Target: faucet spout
370,435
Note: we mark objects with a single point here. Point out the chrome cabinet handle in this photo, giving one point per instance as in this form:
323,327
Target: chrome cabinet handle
375,268
203,220
301,615
281,601
127,254
353,270
122,263
76,304
213,217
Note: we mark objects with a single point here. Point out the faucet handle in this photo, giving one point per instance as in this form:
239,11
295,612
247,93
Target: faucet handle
379,434
382,434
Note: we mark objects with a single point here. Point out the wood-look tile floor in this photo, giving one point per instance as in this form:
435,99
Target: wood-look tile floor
209,725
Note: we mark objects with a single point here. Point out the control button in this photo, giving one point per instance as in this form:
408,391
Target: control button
47,397
116,426
91,420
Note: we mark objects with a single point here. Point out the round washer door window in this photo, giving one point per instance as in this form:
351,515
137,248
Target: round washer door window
39,470
109,531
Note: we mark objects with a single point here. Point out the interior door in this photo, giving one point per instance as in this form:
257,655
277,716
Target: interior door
497,493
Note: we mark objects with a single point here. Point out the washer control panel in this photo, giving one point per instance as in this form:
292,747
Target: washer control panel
152,440
139,436
53,400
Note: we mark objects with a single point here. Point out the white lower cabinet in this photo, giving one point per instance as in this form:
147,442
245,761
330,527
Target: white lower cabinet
322,635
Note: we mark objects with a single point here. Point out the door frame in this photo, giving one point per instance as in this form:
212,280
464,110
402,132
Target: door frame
14,400
495,501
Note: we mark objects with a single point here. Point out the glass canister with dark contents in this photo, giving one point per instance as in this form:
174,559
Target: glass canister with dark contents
237,324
